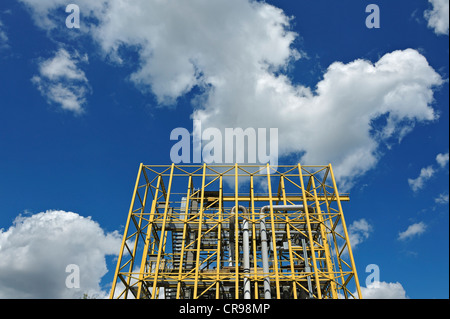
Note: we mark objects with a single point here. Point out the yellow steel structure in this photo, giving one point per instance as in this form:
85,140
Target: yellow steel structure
185,236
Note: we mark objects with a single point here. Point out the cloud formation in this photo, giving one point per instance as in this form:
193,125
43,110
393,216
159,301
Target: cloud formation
418,183
384,290
428,172
3,36
438,16
359,231
35,251
442,199
412,231
442,159
62,82
235,54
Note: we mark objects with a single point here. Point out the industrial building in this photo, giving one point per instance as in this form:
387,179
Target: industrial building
236,232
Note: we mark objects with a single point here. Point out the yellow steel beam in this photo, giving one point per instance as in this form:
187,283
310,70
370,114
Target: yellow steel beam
325,243
310,238
288,233
162,235
236,231
119,261
186,215
274,243
260,198
147,240
344,226
219,240
199,234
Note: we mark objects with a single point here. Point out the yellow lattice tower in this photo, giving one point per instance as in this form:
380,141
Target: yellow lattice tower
236,231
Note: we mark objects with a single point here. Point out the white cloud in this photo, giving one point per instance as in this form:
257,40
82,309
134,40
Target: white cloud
412,231
438,16
35,251
3,36
384,290
236,52
425,174
359,231
428,172
441,199
61,81
334,123
50,14
442,159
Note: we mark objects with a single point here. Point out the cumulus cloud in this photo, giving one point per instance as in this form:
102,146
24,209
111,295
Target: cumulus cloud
61,81
236,52
412,231
438,16
384,290
36,250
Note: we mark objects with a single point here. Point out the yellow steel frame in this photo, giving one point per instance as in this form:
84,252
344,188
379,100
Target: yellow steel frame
183,240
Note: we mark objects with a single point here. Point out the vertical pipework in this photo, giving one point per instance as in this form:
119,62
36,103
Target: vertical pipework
246,251
265,254
307,268
264,248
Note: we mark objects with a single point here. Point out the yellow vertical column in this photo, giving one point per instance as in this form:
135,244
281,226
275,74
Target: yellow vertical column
127,225
199,233
325,242
183,241
219,240
162,235
344,226
147,239
288,233
236,229
310,237
274,243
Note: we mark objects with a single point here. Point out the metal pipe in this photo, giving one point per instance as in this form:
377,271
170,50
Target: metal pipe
307,268
264,248
246,251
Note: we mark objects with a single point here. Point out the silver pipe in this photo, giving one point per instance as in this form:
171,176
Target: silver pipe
246,251
264,248
307,268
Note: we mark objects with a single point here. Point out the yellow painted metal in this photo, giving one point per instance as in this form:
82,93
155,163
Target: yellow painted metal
183,239
310,237
180,269
236,230
325,242
274,243
347,238
199,235
127,225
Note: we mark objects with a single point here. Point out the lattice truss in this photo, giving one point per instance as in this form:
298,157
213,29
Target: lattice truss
237,231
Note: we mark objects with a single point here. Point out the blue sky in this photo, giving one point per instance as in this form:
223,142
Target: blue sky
81,108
